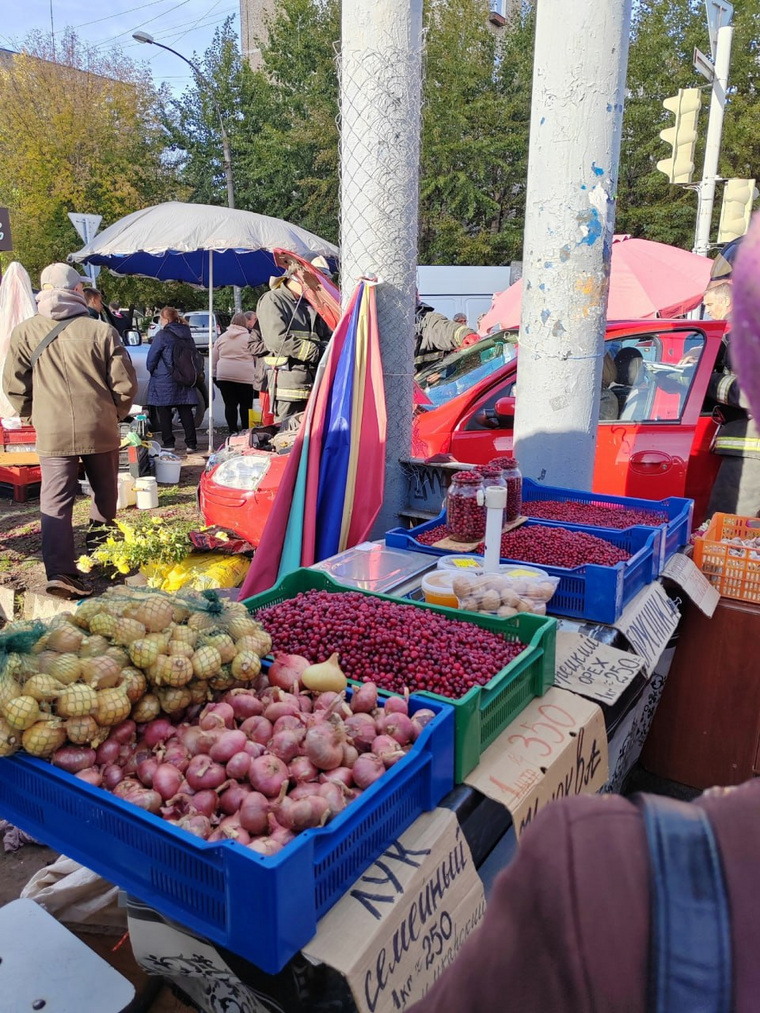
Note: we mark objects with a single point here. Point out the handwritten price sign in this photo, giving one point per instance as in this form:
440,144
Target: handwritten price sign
555,748
594,670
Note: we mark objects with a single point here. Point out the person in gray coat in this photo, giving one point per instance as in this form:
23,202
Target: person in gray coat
164,391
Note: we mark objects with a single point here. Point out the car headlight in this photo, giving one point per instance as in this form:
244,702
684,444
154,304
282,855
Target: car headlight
241,472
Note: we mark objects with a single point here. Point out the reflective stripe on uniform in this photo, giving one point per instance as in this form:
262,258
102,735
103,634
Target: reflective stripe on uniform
724,387
738,444
305,349
293,393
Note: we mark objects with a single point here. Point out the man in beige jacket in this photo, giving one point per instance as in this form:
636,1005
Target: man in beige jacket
72,377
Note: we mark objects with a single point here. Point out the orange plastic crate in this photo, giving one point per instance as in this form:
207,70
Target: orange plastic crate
733,569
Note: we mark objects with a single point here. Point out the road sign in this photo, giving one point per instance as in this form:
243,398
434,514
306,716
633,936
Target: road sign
703,65
86,225
6,243
719,14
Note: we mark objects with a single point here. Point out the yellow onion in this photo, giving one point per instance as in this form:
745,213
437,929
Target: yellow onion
88,610
21,712
143,653
82,731
154,612
65,668
64,639
135,683
119,655
9,689
199,691
44,737
173,671
178,649
260,643
113,706
206,662
222,642
146,709
28,665
76,701
241,626
104,624
93,647
43,687
201,621
246,666
179,613
10,740
174,699
184,635
102,672
223,680
129,630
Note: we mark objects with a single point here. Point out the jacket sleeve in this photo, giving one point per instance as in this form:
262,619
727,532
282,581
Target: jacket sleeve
436,333
122,378
724,388
256,345
286,328
154,353
17,378
215,351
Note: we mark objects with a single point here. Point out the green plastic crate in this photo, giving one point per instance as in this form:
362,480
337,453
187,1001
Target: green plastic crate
485,711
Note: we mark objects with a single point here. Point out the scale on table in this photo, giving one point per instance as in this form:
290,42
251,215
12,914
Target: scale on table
372,566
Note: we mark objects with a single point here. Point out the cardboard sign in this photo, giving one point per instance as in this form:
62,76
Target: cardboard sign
685,572
404,921
648,623
594,670
556,747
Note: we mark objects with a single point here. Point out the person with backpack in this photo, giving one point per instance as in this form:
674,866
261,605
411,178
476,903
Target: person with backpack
71,377
175,366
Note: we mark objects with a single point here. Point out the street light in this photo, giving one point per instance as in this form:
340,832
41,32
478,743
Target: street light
146,37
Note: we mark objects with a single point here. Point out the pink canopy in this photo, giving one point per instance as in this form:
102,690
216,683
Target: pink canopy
647,280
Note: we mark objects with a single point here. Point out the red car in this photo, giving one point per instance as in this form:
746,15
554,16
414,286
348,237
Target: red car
658,446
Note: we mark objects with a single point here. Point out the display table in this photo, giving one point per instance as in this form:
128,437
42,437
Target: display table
707,728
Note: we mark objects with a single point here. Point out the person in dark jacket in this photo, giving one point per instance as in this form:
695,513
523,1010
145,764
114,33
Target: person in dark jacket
295,336
435,336
258,350
164,392
567,928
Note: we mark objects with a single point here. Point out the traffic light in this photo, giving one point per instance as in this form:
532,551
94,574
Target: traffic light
682,136
735,212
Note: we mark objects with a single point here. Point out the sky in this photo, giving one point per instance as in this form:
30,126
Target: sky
185,25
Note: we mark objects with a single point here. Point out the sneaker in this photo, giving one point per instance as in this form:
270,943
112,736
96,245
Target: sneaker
65,585
192,448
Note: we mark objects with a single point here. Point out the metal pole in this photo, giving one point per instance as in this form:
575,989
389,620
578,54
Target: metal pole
210,351
381,77
581,55
712,144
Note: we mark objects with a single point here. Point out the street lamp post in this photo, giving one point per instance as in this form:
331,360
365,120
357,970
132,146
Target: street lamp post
146,37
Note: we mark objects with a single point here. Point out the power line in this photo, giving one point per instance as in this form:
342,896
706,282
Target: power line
129,31
192,27
129,10
164,32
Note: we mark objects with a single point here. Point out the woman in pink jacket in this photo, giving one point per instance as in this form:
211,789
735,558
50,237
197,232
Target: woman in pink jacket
235,372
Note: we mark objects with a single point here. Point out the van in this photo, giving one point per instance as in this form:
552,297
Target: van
453,289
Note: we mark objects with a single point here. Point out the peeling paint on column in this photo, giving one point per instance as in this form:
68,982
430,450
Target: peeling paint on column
545,314
597,169
559,329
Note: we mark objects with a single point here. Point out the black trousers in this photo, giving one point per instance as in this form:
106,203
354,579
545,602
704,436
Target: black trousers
57,494
237,397
186,417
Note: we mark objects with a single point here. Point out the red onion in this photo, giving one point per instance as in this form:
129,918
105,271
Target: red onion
92,775
74,758
258,729
205,801
280,708
125,786
297,815
144,798
124,732
227,744
286,669
344,775
398,726
108,751
231,799
196,824
350,754
158,731
287,721
279,833
196,740
367,769
217,715
267,775
304,790
146,771
112,775
336,795
325,701
305,703
238,766
301,769
254,748
286,745
166,781
324,745
253,813
364,699
244,703
423,717
176,754
203,773
265,846
362,730
396,705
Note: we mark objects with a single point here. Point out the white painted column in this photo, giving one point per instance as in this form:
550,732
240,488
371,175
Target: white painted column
381,76
576,119
210,351
712,141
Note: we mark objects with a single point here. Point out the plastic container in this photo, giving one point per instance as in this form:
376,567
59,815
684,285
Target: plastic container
514,482
733,569
469,563
493,475
598,593
372,566
146,493
264,909
512,590
127,496
467,517
168,468
485,711
436,587
21,440
672,534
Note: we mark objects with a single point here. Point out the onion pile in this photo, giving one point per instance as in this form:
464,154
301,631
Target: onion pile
258,766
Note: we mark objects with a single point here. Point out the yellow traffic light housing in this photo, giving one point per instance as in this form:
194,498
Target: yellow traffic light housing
682,136
736,210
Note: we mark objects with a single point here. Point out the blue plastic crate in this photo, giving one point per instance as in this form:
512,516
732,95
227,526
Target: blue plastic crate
264,909
598,593
673,534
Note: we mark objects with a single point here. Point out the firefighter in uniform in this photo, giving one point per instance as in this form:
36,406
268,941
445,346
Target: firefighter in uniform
436,336
295,336
737,487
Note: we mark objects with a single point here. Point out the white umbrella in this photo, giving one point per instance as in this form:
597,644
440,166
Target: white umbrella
203,245
17,303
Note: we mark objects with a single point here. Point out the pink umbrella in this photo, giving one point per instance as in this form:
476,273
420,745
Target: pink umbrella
647,280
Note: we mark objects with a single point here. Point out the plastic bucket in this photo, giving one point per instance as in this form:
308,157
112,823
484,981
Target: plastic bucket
436,587
127,495
146,492
168,468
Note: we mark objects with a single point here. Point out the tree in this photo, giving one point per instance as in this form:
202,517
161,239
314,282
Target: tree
79,131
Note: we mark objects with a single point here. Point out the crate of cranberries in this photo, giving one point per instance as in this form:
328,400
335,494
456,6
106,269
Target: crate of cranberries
486,667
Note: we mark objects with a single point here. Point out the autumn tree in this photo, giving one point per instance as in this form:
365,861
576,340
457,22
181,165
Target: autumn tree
80,131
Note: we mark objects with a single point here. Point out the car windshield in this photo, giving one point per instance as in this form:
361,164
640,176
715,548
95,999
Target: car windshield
462,370
197,320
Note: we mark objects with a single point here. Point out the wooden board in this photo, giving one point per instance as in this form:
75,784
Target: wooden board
452,546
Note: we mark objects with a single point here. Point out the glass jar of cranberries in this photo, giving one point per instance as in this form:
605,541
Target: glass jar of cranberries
494,476
465,517
513,478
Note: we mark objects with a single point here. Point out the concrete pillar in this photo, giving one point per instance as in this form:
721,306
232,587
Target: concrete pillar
581,57
381,78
